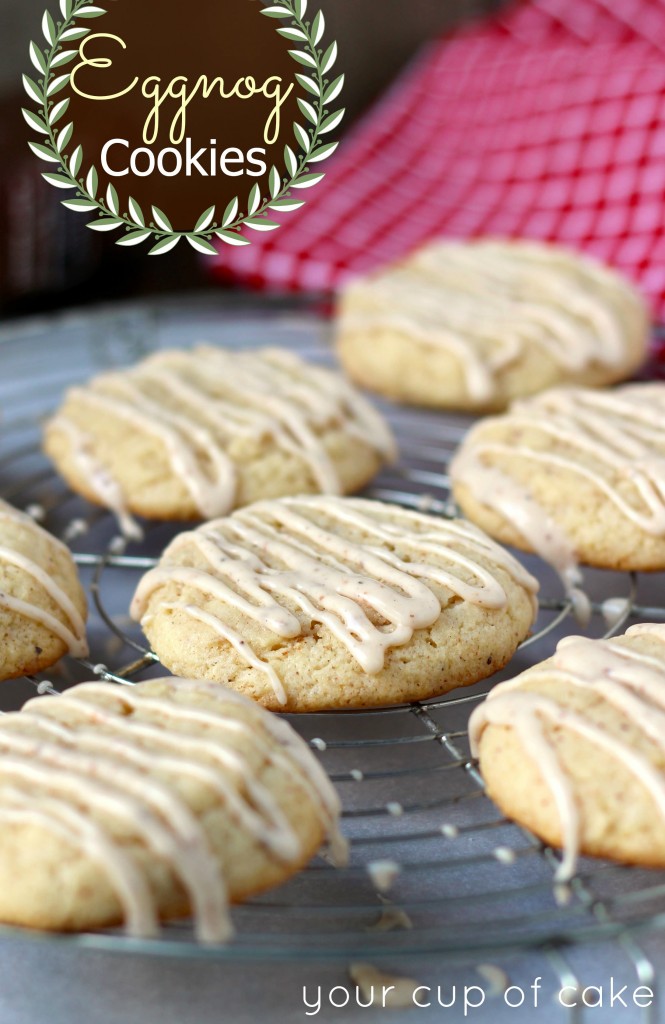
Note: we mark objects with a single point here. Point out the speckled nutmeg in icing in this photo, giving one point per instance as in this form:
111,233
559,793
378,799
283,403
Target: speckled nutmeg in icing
606,452
213,417
286,565
133,780
622,684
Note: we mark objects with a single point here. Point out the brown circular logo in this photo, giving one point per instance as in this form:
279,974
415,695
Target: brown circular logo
173,120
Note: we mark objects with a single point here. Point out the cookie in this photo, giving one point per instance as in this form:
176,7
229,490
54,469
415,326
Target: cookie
473,325
319,603
194,434
135,804
42,604
574,475
574,748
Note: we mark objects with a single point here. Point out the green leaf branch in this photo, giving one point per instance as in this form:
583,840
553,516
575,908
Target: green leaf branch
312,146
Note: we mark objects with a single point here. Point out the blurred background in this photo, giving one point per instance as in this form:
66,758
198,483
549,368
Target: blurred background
48,258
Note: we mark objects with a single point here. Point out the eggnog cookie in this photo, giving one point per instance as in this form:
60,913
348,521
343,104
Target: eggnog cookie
310,604
473,325
140,803
42,604
574,748
194,434
574,475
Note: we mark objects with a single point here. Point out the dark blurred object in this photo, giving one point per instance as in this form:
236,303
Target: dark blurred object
48,257
44,249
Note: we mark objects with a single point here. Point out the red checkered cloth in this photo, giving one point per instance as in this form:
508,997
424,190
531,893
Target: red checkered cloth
547,122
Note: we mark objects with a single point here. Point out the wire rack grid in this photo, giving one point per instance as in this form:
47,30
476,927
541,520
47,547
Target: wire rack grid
435,868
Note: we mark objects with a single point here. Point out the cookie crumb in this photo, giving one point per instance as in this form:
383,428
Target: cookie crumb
392,918
36,512
388,991
497,978
562,894
426,502
383,873
613,610
76,528
504,855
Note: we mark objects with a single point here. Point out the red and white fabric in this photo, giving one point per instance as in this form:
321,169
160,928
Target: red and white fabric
547,122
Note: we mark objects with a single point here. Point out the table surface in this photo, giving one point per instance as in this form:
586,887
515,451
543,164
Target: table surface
63,985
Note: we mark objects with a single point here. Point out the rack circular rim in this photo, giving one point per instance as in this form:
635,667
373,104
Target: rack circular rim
417,481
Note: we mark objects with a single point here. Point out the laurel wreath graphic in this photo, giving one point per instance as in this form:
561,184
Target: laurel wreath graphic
310,148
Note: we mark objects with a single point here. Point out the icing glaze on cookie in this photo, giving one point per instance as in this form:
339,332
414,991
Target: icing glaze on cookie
197,402
71,627
615,440
486,302
101,482
101,747
272,556
630,680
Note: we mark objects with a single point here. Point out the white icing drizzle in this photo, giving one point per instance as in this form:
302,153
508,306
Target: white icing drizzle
497,490
629,679
234,638
615,440
312,774
100,480
139,803
221,396
271,556
271,830
65,758
71,628
76,828
486,302
55,592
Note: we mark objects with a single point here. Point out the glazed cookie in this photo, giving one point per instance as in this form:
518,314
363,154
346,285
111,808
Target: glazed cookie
574,749
574,475
310,604
472,325
194,434
141,803
42,604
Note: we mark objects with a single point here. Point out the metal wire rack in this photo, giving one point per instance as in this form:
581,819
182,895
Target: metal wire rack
435,868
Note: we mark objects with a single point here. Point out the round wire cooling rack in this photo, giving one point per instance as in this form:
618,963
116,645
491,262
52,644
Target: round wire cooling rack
435,867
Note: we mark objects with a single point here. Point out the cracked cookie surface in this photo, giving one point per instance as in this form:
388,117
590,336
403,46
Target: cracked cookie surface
315,603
